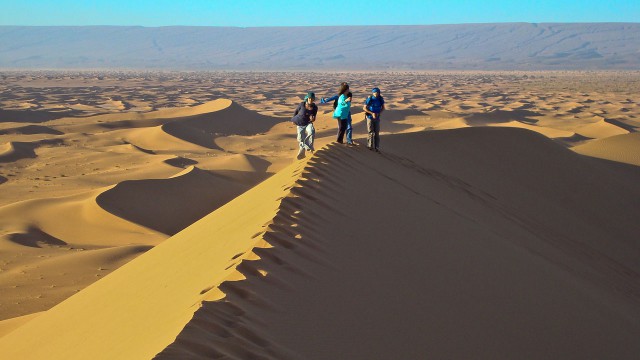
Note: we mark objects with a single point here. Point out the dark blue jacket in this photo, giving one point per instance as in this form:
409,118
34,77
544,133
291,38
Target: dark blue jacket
302,116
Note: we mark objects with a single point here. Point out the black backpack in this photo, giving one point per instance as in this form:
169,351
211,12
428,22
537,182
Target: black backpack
335,102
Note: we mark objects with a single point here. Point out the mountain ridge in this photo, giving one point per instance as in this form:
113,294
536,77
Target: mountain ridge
490,46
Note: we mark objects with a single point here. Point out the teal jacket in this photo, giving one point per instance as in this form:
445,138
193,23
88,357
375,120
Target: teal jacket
343,108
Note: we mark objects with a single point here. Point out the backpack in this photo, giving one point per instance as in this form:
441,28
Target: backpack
335,102
369,98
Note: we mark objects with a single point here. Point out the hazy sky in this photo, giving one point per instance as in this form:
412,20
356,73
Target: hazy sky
312,13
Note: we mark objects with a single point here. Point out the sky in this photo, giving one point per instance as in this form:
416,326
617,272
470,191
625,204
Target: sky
244,13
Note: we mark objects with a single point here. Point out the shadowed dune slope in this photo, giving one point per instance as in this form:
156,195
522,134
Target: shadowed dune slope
169,205
14,151
622,148
30,130
17,150
479,251
30,116
469,243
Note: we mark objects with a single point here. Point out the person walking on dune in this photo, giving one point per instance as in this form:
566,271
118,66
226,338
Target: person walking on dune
373,107
303,117
344,126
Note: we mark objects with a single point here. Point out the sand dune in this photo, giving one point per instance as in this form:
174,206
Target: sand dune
501,116
162,280
7,326
158,140
239,162
190,129
546,131
622,148
487,228
137,119
13,151
60,273
30,130
159,204
93,225
471,267
600,129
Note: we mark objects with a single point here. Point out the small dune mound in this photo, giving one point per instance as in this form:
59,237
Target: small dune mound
600,129
501,116
232,120
34,237
546,131
91,225
197,128
115,105
14,151
157,140
169,205
31,130
621,124
621,148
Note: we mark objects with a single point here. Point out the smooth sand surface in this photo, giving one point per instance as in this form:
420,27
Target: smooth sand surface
500,217
620,148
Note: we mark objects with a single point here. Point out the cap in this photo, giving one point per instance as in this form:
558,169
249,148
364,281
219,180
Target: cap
375,90
310,95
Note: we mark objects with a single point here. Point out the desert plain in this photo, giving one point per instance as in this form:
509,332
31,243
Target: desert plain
164,215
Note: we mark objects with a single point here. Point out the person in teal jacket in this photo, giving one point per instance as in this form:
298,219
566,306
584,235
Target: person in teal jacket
342,111
341,130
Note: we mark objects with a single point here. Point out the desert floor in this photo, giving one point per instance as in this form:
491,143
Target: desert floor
535,173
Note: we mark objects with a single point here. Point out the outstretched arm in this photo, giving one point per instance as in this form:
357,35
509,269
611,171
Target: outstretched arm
328,100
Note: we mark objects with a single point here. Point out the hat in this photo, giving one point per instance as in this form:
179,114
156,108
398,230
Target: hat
375,90
310,95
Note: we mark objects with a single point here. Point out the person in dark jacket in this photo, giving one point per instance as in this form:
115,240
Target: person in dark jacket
303,117
373,107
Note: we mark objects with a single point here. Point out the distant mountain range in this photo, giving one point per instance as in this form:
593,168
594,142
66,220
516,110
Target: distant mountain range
505,46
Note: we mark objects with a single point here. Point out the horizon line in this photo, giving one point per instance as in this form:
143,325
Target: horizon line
333,26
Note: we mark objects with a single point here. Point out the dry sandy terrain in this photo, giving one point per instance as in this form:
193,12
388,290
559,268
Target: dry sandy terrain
500,221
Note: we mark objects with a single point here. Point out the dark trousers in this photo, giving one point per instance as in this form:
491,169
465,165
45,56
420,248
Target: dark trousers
373,126
342,128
